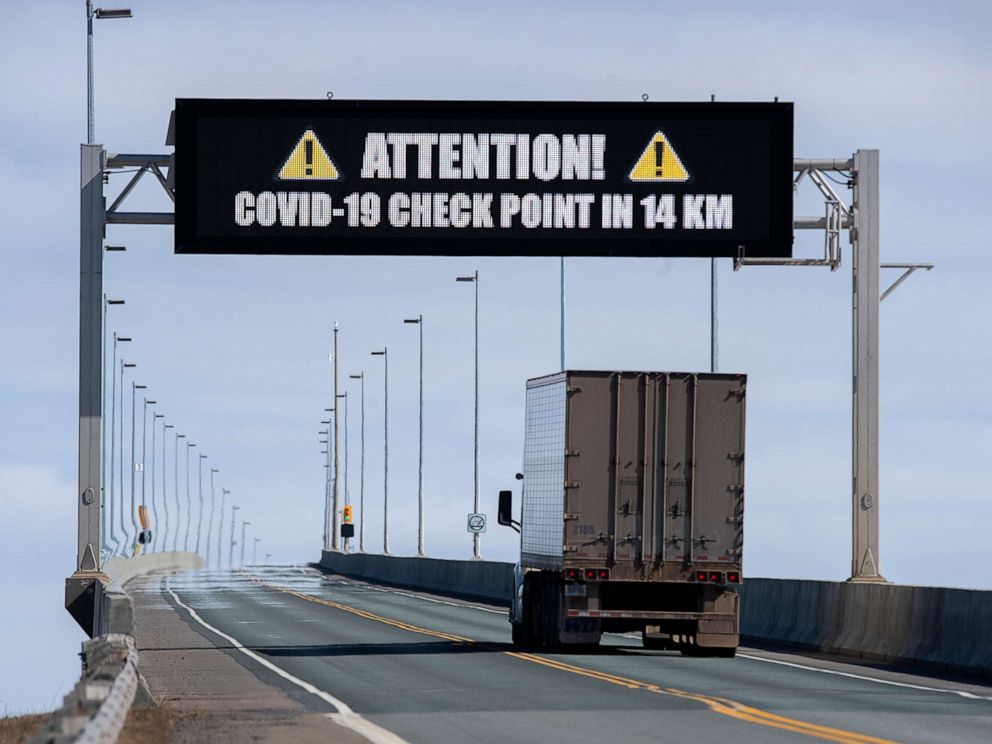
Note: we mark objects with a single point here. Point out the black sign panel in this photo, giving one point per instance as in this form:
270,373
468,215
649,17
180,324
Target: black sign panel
484,178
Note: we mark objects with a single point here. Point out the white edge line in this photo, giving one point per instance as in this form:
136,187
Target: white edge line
345,716
924,688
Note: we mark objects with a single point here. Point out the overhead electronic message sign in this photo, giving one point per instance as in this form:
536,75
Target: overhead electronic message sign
483,178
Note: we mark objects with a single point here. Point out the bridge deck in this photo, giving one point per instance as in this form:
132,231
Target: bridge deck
289,654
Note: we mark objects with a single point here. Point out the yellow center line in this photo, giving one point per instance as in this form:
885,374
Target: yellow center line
723,706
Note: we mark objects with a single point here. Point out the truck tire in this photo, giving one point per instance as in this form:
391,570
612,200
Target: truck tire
529,632
517,634
713,652
551,597
655,644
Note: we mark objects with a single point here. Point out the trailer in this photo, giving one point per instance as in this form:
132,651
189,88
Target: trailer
632,514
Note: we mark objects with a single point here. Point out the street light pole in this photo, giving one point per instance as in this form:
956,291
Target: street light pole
419,322
210,519
189,500
92,13
476,538
165,493
134,519
562,314
334,506
361,471
144,438
385,449
104,532
244,524
220,525
155,417
230,554
175,487
714,361
124,367
254,550
199,492
113,436
347,492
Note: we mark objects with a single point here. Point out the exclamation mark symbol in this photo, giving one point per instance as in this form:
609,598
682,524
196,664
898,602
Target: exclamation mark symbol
659,151
308,145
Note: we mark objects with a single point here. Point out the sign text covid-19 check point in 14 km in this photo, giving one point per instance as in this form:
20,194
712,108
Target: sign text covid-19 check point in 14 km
472,178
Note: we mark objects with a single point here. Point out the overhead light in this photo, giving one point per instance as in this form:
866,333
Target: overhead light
112,13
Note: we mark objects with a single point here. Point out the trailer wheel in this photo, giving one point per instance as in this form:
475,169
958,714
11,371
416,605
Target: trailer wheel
517,634
655,643
691,649
529,631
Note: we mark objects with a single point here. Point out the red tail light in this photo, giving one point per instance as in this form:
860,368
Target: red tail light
590,574
716,577
571,574
733,577
701,576
603,574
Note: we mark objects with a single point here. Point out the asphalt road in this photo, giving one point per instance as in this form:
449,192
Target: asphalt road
392,665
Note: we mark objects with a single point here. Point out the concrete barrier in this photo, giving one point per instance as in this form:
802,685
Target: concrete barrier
115,613
484,580
947,630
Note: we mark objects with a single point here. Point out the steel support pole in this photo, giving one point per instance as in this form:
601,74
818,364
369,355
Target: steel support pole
865,547
91,226
90,128
335,538
79,594
385,453
361,479
562,314
714,326
420,456
476,537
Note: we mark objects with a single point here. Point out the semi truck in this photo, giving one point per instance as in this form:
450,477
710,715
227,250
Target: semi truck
632,510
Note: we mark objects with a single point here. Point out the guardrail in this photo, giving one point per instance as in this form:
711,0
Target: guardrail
97,707
948,630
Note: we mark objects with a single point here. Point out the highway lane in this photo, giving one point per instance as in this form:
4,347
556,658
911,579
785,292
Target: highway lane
433,669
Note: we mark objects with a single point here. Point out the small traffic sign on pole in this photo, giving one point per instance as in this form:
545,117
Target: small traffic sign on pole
476,523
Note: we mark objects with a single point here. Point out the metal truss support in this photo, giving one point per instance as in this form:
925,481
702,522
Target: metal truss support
861,220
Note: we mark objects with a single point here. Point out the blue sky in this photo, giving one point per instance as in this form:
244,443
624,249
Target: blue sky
235,348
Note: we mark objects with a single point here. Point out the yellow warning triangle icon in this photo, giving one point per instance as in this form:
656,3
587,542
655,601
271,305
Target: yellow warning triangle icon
659,162
309,161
